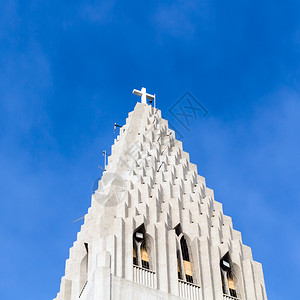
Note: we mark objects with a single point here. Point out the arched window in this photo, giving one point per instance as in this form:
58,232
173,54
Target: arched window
141,248
228,277
183,257
186,260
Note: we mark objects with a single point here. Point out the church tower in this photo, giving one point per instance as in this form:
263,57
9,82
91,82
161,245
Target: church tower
154,230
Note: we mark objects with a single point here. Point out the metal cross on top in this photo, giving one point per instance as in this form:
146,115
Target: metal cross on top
144,95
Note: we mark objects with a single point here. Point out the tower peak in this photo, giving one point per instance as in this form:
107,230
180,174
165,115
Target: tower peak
154,230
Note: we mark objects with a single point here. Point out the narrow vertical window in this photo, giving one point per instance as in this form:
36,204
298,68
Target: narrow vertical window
227,275
141,249
186,260
184,265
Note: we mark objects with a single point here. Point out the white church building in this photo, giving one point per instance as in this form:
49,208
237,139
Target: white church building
154,230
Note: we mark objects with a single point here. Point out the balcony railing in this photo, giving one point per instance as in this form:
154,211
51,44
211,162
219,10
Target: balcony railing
144,276
227,297
189,290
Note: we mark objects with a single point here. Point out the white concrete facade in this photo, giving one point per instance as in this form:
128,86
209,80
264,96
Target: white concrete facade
150,189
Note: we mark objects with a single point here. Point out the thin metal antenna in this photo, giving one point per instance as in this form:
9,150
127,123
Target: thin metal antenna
115,127
105,156
78,219
160,166
164,149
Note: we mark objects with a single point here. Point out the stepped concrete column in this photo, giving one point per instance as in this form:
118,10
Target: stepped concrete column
162,257
216,273
102,277
249,280
206,271
173,271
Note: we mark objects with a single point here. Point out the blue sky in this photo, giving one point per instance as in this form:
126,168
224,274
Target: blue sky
67,72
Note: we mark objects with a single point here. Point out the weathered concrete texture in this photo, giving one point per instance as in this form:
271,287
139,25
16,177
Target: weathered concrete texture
150,181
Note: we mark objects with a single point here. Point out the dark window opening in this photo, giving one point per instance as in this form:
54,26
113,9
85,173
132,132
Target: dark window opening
178,265
223,288
228,277
184,249
178,229
145,264
134,256
233,293
141,248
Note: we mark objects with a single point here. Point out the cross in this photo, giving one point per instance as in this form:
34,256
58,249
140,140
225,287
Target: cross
144,95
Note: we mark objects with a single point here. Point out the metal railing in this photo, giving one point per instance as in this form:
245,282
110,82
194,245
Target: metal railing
228,297
189,290
144,276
